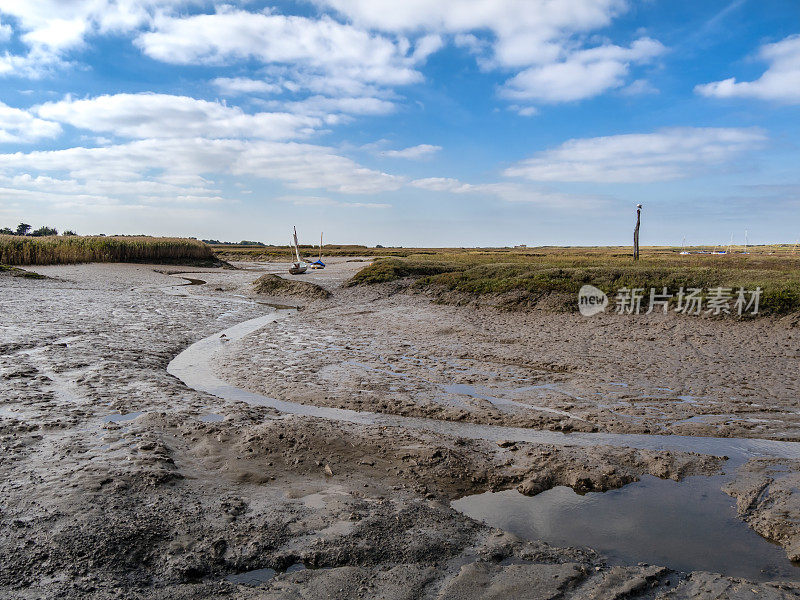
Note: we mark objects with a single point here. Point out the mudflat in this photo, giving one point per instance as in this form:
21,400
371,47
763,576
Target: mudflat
119,481
372,349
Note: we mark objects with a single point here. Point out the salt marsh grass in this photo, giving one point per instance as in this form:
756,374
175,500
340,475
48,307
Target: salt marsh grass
523,276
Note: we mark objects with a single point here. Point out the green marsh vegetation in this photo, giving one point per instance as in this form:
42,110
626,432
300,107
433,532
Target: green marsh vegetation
525,275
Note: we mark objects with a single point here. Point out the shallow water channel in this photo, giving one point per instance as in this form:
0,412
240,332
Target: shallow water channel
686,526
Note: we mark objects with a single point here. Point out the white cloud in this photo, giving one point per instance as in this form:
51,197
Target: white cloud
58,33
426,46
321,201
307,166
235,86
508,192
36,16
162,115
107,188
643,157
640,87
511,19
412,153
323,44
50,28
187,161
33,65
441,184
543,39
18,126
5,32
525,111
323,105
780,82
455,186
582,74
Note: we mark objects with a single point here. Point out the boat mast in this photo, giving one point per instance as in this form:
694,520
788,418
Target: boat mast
296,246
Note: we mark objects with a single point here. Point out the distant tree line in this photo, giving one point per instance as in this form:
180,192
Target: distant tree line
242,243
25,229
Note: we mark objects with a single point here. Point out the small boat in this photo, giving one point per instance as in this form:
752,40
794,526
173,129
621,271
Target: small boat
318,264
298,266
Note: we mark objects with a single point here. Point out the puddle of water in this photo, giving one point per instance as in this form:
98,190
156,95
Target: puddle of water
211,418
688,399
264,302
471,391
122,417
8,412
259,576
685,526
255,577
708,419
174,289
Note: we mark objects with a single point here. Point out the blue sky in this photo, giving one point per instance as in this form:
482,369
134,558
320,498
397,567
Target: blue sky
449,123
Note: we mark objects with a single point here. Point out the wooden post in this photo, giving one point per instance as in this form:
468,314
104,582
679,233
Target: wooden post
636,232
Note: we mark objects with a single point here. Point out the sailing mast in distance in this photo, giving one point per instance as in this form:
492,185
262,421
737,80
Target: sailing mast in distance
318,264
298,267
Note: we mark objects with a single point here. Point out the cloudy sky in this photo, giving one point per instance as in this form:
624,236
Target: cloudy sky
454,122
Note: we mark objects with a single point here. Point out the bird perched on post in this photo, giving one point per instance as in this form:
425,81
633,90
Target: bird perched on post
636,232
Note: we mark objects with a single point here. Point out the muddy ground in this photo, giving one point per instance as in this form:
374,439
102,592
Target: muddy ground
372,348
117,481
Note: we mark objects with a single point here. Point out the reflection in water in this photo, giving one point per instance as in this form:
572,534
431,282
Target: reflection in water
259,576
255,577
687,526
116,418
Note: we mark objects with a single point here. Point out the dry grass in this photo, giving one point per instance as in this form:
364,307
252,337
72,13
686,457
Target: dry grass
54,250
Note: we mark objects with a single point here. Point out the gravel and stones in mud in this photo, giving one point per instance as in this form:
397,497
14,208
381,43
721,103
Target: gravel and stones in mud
370,349
119,482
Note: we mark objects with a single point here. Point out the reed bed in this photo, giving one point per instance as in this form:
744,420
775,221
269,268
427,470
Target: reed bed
55,250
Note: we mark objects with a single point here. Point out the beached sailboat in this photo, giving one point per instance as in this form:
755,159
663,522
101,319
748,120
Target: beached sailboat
298,266
318,264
